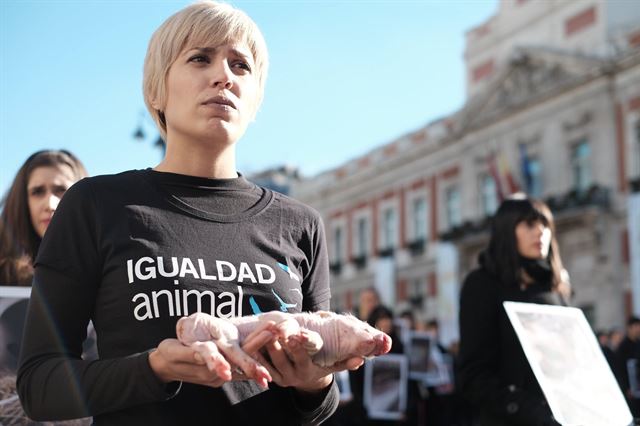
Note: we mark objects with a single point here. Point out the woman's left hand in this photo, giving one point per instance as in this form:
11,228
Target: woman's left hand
291,365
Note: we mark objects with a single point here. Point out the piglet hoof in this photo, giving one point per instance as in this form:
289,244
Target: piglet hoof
311,341
214,360
259,374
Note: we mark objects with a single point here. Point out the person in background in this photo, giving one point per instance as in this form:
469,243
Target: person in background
369,299
382,318
137,250
629,351
522,263
27,209
605,346
616,336
440,400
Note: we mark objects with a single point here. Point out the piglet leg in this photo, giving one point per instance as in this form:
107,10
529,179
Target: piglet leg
288,327
209,336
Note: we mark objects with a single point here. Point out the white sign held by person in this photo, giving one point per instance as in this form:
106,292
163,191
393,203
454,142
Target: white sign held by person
634,248
567,361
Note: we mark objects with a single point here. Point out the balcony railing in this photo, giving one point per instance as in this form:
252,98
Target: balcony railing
385,252
416,247
360,261
594,196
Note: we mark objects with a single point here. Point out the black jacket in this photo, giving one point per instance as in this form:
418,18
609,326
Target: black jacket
493,372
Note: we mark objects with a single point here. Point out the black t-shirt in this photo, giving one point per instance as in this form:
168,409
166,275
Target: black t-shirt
134,252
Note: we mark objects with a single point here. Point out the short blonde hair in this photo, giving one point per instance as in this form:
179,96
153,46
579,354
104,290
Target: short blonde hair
205,23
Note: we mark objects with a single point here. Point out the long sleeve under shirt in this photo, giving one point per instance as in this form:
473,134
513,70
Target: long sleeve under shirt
134,252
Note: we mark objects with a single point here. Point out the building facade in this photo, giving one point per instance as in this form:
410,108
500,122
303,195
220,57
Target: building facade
556,114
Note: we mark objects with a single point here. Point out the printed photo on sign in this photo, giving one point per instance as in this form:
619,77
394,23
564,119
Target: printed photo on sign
634,382
342,379
426,362
13,310
385,387
567,361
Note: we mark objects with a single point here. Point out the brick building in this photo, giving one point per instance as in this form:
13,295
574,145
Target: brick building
553,109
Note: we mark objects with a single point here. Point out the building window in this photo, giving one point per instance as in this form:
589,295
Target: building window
416,292
452,203
489,195
337,245
362,242
420,219
637,149
389,228
581,165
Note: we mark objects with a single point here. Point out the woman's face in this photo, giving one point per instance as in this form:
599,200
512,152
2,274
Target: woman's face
533,239
45,188
212,94
385,325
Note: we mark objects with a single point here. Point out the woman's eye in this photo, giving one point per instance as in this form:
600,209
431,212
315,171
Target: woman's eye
59,191
243,65
199,59
37,191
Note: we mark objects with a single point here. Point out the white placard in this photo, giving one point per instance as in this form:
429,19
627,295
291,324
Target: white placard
448,297
385,280
567,361
385,387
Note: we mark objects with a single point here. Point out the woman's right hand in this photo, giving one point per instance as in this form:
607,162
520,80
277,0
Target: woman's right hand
173,361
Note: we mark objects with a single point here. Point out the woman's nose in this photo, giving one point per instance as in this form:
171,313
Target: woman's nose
222,75
52,202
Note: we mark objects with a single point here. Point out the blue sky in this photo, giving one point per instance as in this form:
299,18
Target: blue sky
345,77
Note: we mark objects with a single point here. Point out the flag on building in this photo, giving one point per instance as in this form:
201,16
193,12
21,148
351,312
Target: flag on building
525,166
505,171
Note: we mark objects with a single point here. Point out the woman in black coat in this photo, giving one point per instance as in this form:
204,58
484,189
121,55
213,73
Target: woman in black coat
521,264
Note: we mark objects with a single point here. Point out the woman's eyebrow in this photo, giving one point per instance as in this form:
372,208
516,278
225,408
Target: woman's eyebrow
241,54
208,50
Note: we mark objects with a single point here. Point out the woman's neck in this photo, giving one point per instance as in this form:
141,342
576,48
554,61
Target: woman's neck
200,160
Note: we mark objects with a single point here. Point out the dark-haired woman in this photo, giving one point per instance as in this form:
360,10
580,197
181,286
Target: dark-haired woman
522,264
27,209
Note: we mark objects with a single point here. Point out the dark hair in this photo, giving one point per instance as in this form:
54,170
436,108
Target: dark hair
378,313
633,320
19,241
502,258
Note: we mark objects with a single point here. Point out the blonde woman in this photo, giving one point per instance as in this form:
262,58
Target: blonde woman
136,251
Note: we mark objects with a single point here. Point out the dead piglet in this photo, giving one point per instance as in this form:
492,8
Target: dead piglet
344,337
217,341
286,327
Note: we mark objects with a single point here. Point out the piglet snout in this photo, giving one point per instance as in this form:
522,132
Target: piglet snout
383,344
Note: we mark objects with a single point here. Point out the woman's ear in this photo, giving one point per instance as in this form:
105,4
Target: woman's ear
155,104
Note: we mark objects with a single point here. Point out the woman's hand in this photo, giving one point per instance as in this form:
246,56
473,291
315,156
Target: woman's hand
292,366
173,361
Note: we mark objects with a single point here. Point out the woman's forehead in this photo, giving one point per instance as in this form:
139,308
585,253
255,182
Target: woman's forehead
209,40
43,174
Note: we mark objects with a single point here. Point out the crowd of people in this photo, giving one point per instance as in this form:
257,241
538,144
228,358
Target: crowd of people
204,78
426,404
